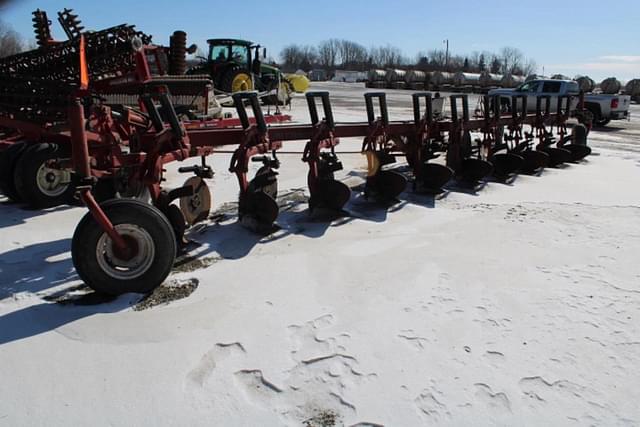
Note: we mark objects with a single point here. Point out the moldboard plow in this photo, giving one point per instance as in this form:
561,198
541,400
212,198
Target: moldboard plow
113,156
125,245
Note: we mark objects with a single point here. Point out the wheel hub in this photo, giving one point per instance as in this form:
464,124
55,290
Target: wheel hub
52,182
130,262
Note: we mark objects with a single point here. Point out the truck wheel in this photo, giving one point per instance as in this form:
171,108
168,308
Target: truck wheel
236,79
8,161
106,269
38,184
601,122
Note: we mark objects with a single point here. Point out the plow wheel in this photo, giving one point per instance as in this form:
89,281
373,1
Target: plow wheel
8,160
435,176
506,164
147,260
196,207
258,207
557,156
473,170
534,161
38,181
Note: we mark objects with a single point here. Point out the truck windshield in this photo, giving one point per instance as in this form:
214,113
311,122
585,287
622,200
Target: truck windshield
529,87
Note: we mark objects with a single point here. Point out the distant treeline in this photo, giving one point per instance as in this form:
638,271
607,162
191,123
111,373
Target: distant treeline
335,54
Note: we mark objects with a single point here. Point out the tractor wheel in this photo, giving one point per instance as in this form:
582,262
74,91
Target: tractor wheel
105,268
38,184
236,79
8,162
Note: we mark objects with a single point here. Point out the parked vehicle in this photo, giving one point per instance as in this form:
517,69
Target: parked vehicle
603,107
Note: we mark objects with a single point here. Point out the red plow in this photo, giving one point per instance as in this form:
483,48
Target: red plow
113,156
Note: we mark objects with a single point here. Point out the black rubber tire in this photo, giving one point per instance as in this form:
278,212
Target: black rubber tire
26,180
124,211
226,81
8,162
601,122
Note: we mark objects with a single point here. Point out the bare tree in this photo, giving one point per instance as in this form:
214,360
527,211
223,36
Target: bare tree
10,41
328,52
512,60
529,67
294,56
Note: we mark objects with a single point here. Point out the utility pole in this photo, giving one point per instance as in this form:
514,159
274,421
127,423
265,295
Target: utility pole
446,55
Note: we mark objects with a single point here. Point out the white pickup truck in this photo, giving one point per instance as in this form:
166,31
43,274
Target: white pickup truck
603,107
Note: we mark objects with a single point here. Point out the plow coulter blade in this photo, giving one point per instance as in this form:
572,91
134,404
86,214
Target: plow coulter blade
534,161
473,170
386,185
506,164
435,176
331,194
578,152
557,156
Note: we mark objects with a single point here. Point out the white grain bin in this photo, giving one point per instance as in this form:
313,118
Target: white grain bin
534,77
488,79
376,79
416,79
466,79
586,83
509,80
395,78
441,78
610,85
633,88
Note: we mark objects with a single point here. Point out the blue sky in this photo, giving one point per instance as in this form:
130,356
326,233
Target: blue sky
597,38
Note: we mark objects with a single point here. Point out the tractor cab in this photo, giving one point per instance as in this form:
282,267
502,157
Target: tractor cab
236,66
236,63
232,50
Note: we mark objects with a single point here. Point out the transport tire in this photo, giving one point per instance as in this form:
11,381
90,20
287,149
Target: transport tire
601,122
107,270
39,185
8,162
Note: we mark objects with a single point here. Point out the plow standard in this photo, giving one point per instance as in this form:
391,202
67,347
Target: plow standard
110,155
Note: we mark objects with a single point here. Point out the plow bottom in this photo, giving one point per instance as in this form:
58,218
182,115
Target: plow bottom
534,161
386,185
506,164
435,176
578,152
474,170
557,156
331,194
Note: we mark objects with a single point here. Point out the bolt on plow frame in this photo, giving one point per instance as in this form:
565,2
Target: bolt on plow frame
126,245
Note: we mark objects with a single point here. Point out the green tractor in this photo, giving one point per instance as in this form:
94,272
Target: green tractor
234,65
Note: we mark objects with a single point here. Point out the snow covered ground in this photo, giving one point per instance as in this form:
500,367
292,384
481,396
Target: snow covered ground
519,305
